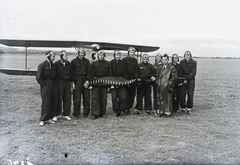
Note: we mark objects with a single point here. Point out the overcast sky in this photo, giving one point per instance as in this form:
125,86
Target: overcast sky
205,27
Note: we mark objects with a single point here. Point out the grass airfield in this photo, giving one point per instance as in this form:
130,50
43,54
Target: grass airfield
210,135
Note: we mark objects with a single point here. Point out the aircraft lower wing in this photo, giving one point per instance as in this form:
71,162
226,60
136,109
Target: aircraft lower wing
76,44
18,72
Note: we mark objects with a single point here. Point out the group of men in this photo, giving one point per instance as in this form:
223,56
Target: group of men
171,83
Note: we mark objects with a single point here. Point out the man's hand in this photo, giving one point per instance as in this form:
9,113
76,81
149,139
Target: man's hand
180,84
112,87
73,86
86,84
153,78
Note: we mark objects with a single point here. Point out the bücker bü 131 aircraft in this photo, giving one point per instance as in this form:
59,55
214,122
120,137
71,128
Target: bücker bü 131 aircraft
93,47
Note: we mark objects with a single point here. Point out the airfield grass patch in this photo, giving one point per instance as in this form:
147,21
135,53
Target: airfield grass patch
210,135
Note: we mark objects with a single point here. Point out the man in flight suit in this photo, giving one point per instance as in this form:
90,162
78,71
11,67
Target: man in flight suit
158,62
80,70
118,69
45,76
63,67
188,70
177,87
131,64
99,68
145,77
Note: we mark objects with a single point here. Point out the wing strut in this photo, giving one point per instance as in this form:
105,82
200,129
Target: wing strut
26,56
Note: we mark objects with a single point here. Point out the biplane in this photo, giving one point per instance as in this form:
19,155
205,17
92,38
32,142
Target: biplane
93,47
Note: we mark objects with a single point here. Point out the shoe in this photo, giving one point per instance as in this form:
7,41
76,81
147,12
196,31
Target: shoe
118,114
148,112
41,123
137,112
85,115
77,117
161,113
127,112
189,111
179,111
54,118
167,114
66,117
93,117
183,110
51,121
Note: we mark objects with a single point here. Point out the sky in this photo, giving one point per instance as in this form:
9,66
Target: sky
208,28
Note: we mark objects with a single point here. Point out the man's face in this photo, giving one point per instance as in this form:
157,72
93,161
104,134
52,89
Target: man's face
117,55
65,56
187,56
145,59
131,52
100,56
81,54
52,58
164,60
158,58
175,59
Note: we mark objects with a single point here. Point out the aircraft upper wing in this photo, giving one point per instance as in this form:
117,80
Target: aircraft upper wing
76,44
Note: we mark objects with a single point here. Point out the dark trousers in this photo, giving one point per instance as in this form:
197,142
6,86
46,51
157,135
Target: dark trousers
49,100
130,96
64,98
78,92
187,89
118,99
144,92
155,97
99,101
176,97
